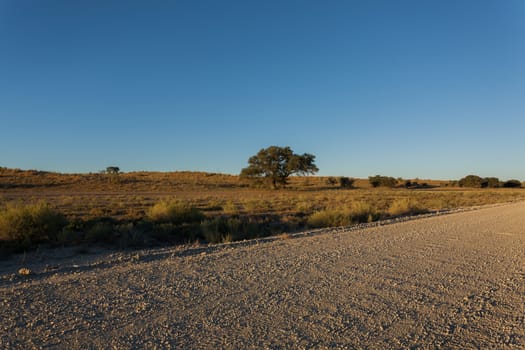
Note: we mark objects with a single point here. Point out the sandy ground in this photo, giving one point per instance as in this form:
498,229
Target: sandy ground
452,281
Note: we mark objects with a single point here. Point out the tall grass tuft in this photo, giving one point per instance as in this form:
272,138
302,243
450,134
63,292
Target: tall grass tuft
358,212
329,218
176,213
406,206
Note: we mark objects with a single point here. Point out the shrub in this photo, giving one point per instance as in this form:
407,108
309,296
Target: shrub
100,232
330,218
331,181
470,181
176,213
384,181
357,213
230,208
30,224
222,229
512,184
490,182
363,212
346,182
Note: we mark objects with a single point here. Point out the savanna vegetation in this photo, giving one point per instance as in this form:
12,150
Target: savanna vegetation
139,209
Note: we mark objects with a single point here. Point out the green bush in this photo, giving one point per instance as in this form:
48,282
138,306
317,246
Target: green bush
490,182
30,224
470,181
383,181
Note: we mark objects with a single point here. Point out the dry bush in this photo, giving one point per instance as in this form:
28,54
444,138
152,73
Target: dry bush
358,212
329,218
100,232
363,212
29,224
176,213
222,230
406,206
230,208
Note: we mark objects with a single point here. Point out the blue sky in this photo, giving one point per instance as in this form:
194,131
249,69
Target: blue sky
429,89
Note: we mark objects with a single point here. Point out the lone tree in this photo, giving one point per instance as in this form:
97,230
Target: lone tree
275,164
471,181
113,172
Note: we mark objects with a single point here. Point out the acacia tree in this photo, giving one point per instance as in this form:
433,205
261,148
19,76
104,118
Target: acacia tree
275,164
113,172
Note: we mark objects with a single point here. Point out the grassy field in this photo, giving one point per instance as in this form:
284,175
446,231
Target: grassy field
141,208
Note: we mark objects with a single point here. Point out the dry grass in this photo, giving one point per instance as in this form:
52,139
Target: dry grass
172,198
406,206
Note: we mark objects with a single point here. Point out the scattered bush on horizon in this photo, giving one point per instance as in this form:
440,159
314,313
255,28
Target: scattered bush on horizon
346,182
512,184
490,182
382,181
476,181
30,224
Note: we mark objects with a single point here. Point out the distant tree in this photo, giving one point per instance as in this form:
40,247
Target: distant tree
384,181
275,164
375,181
490,182
346,182
470,181
512,184
114,170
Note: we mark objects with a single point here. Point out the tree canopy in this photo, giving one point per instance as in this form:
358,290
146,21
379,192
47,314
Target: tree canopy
114,170
477,181
379,180
275,164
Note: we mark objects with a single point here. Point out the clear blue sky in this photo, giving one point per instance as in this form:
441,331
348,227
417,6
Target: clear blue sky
429,89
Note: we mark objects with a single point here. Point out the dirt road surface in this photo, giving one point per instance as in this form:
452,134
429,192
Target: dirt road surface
452,281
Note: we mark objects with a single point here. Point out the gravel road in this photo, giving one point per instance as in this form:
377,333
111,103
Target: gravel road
451,281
